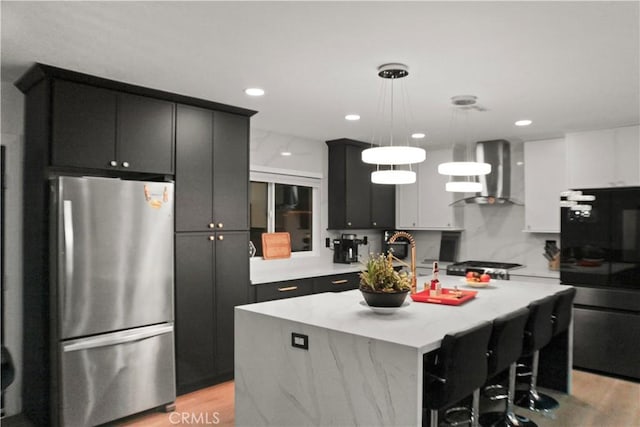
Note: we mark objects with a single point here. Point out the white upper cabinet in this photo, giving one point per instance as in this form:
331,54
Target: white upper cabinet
603,158
544,179
407,205
426,205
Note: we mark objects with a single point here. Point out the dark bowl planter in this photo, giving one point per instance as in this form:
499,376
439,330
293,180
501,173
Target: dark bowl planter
383,299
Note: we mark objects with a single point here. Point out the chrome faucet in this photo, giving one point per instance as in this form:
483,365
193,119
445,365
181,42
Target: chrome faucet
412,242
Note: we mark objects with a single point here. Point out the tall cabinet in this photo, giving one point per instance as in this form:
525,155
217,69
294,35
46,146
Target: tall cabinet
212,241
78,124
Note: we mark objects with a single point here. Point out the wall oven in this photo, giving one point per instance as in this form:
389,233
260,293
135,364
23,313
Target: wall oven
600,256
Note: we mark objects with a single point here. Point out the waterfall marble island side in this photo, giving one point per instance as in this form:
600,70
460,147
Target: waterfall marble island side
359,367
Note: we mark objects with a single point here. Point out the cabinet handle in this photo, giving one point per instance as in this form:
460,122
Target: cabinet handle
375,224
220,225
287,289
212,238
212,225
125,164
339,282
113,163
220,237
349,224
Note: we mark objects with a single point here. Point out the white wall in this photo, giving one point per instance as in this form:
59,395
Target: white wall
12,112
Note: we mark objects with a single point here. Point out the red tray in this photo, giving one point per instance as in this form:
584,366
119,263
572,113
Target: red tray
446,297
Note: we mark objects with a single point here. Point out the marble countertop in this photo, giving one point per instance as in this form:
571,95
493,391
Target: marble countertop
418,325
278,270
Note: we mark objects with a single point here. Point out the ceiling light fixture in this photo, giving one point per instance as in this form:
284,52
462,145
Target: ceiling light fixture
352,117
463,187
285,153
523,122
418,135
463,104
254,91
390,154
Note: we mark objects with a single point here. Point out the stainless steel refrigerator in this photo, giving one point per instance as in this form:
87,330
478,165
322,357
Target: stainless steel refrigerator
114,291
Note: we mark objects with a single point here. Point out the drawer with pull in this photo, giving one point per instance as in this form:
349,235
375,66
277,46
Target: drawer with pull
336,283
285,289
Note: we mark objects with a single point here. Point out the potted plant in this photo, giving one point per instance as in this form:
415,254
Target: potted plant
381,285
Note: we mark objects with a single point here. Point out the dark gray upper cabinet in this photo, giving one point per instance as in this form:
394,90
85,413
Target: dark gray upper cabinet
84,126
212,170
98,128
145,134
355,202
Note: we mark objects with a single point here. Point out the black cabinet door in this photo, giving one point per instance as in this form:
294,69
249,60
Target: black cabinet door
83,126
354,201
194,315
145,134
358,189
383,206
230,171
232,289
194,168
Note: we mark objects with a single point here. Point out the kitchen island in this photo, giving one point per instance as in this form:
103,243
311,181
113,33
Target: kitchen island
360,367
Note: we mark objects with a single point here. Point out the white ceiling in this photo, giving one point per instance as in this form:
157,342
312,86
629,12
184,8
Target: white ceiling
567,66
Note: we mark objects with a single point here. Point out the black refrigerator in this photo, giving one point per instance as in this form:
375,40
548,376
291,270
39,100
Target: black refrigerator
600,256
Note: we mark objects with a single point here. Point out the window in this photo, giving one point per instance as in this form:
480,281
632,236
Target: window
283,203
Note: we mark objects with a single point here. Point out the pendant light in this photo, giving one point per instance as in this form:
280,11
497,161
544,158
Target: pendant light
392,155
469,168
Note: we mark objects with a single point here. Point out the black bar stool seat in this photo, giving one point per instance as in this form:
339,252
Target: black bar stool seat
458,370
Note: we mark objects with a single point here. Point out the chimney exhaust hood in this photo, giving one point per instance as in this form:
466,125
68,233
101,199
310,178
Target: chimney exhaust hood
496,186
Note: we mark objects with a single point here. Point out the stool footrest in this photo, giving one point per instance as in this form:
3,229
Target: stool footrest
458,415
538,402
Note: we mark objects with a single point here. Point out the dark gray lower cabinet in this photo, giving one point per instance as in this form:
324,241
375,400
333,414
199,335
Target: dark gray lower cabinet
212,277
336,283
284,289
306,286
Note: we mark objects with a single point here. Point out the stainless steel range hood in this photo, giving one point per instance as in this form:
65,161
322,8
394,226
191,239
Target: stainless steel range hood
496,186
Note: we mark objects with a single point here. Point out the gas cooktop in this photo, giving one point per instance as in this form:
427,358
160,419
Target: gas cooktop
497,270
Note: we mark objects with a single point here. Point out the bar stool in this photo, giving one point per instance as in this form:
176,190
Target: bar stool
560,320
505,347
458,369
538,333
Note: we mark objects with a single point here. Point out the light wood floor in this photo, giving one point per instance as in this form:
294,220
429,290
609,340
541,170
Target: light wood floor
597,401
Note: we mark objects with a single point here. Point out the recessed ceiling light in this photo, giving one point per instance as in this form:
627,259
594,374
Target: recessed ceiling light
254,91
418,135
523,122
352,117
285,153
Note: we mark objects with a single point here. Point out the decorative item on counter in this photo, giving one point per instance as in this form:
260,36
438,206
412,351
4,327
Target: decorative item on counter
276,245
552,254
381,285
435,289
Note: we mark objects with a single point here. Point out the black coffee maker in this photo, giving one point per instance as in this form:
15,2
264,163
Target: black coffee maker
345,249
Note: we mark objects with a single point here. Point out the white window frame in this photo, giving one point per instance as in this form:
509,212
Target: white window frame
274,176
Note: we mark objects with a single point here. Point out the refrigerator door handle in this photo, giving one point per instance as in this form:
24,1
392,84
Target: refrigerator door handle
67,224
117,338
